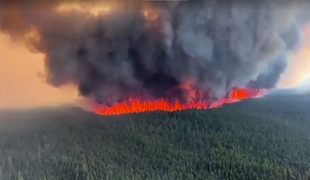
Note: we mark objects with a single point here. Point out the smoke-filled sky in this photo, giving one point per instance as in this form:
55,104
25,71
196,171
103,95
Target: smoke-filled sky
299,67
215,47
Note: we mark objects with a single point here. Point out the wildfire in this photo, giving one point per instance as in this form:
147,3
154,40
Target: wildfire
137,106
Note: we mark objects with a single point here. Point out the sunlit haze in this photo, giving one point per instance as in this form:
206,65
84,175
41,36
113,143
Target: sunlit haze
299,67
20,85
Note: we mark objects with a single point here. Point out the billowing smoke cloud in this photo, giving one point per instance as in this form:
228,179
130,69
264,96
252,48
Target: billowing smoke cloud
269,78
148,49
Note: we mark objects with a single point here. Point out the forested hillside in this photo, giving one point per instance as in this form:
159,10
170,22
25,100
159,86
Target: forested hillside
259,139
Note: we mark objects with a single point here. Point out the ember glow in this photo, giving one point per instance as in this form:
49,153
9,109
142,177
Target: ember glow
137,106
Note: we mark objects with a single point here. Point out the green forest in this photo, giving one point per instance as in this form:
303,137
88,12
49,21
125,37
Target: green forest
256,139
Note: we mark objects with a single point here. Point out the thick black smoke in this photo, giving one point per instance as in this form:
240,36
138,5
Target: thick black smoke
214,45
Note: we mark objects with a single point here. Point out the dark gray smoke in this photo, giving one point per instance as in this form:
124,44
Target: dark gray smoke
268,78
215,45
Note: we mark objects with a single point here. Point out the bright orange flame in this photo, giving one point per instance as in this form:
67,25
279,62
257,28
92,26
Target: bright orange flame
237,95
137,106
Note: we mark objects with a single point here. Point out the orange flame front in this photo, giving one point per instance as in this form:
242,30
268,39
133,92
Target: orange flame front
137,106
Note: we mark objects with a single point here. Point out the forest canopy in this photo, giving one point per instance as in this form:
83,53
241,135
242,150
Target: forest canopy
257,139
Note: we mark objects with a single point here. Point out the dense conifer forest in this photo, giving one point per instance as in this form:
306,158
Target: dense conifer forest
258,139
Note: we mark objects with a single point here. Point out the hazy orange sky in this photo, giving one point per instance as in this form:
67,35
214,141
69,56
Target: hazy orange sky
20,85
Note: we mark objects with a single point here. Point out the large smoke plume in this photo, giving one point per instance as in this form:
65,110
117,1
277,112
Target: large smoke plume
147,49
